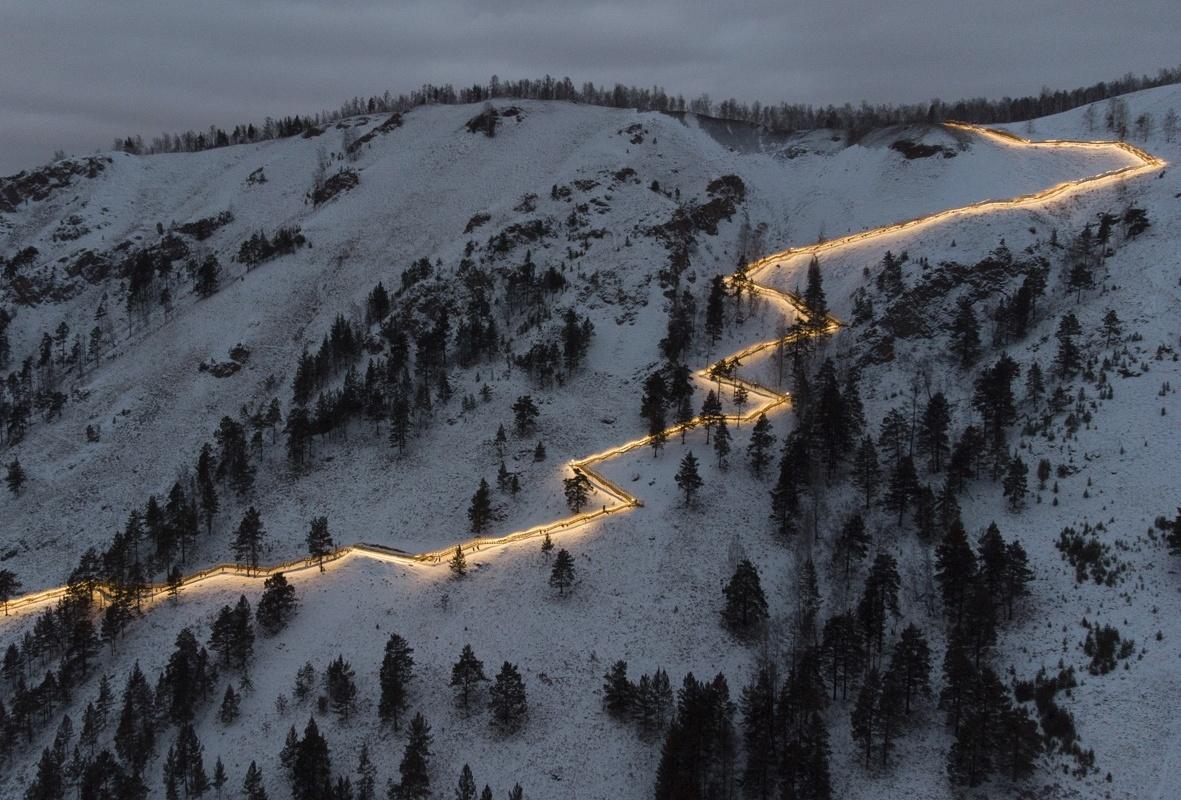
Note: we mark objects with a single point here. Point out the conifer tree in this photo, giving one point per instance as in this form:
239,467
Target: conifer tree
506,699
366,775
711,412
311,766
277,604
843,651
715,310
397,670
230,705
525,415
479,513
722,444
319,540
466,789
814,300
879,599
577,489
866,473
910,665
547,545
785,499
562,575
252,785
746,605
955,570
759,723
9,586
458,563
1015,487
1068,359
852,544
248,538
466,674
932,434
618,691
864,719
1017,576
16,476
688,479
965,336
415,783
762,439
341,687
219,777
904,485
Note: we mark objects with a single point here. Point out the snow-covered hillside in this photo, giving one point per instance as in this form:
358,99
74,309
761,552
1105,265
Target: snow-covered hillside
649,587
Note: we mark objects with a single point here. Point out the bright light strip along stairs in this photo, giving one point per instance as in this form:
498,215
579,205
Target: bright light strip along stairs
765,399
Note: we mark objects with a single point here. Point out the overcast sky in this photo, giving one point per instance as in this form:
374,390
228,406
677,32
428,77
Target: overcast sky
76,73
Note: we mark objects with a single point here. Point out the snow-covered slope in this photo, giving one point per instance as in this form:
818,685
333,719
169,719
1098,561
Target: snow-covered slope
650,581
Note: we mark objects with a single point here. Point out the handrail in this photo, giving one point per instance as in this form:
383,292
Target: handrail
773,400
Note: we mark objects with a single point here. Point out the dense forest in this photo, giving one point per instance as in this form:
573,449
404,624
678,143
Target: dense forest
781,116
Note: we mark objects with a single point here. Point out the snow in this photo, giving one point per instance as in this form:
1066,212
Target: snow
650,580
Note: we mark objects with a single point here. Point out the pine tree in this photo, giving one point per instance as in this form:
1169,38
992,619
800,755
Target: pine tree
230,705
458,563
577,489
506,699
1017,575
722,444
1035,385
277,604
785,498
688,479
319,540
866,473
252,785
932,434
9,586
618,691
219,777
415,783
208,274
397,670
741,398
955,570
759,733
248,538
1112,327
711,412
1068,359
547,544
965,336
879,598
864,719
341,687
715,310
814,300
904,484
761,441
889,712
746,605
562,575
910,665
366,775
16,476
479,513
311,766
539,451
466,788
1015,487
852,544
525,415
466,674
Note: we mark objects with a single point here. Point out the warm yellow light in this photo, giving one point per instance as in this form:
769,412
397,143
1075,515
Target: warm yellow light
621,499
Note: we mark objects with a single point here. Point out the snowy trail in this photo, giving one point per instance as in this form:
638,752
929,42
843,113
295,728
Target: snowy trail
620,500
